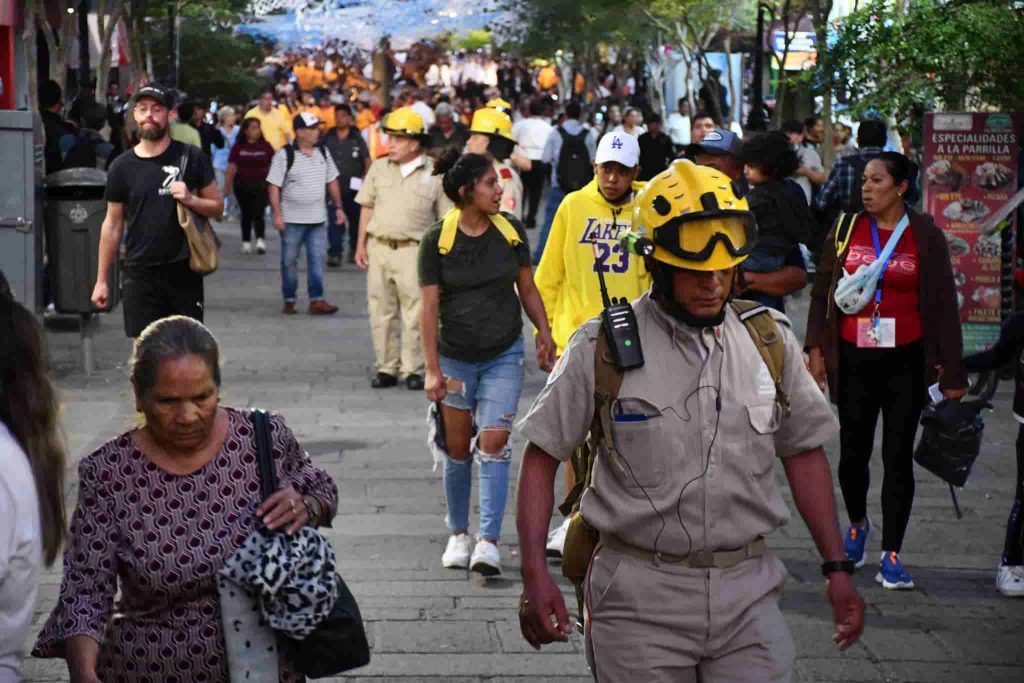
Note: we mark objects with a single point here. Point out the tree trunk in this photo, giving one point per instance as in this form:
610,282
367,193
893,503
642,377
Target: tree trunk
734,98
113,10
55,44
382,71
821,9
135,31
28,37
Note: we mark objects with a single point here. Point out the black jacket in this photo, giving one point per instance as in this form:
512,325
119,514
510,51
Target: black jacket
783,219
1009,346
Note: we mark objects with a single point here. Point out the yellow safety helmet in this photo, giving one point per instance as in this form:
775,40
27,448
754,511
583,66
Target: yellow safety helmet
500,104
490,121
404,122
694,218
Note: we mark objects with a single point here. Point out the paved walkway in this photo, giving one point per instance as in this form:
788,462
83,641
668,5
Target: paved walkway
430,624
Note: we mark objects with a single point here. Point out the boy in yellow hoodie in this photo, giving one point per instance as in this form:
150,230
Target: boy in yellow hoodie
601,213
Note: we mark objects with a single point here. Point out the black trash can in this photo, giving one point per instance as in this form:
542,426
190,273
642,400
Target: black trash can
75,210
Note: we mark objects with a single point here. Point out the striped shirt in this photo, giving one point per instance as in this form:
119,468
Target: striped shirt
304,187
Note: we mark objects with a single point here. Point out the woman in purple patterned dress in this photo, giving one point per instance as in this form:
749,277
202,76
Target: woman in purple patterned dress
159,510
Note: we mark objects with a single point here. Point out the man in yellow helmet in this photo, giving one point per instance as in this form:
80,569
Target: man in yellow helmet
680,585
491,133
400,198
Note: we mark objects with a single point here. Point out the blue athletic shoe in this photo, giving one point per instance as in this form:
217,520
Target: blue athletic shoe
891,573
855,543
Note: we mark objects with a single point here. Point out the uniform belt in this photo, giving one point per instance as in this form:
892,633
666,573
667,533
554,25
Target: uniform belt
704,559
396,244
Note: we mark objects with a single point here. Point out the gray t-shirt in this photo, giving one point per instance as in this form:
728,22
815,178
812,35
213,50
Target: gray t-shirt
304,187
20,554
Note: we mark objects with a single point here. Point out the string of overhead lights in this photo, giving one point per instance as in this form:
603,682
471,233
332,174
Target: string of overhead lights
366,21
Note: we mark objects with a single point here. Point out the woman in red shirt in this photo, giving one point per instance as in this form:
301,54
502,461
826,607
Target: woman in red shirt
248,165
882,358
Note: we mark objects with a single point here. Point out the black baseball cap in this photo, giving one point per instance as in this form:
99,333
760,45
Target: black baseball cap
305,120
718,142
155,91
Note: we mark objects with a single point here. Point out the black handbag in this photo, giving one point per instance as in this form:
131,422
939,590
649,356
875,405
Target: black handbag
339,642
950,442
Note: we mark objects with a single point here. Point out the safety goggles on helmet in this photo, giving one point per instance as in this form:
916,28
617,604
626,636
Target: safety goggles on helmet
694,236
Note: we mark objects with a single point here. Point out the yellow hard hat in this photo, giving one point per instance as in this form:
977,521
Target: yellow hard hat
492,122
500,105
695,219
404,122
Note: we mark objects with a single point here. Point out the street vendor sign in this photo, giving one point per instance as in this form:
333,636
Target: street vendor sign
970,171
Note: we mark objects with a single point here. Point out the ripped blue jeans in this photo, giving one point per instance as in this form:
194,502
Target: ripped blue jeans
490,391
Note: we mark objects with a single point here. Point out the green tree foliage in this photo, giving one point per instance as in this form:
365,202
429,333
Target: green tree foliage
216,62
950,55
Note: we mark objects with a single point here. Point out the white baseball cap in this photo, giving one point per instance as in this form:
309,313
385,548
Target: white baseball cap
622,148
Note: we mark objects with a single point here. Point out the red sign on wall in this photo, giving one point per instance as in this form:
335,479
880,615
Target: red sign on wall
970,170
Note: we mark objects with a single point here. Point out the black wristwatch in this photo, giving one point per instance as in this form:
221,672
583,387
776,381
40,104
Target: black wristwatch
847,566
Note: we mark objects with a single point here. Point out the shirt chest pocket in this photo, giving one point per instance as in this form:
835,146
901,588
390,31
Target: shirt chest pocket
765,420
640,444
421,199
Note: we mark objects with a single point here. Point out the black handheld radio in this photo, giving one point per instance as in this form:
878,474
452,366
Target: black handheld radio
619,323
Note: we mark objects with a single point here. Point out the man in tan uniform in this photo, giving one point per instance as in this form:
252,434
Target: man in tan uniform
681,586
491,133
400,199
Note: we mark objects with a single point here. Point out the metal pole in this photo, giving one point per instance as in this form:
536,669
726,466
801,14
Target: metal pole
85,331
756,119
172,45
83,47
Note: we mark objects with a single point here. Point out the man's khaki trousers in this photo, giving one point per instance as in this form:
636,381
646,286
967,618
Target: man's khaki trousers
393,294
672,624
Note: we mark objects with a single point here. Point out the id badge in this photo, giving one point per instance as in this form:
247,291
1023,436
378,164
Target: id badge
876,333
355,184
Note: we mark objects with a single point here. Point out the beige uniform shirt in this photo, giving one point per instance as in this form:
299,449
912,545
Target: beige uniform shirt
403,208
691,477
511,189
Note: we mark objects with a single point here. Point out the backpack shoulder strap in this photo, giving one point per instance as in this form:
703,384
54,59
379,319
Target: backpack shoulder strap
764,332
289,152
450,226
183,164
844,230
607,382
506,229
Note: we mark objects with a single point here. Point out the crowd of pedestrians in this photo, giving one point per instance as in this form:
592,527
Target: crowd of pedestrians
437,199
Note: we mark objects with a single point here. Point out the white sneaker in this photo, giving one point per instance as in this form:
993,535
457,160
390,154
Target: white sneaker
556,540
486,559
1010,581
261,246
246,247
456,555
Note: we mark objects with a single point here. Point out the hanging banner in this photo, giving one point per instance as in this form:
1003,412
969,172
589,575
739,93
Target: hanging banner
970,171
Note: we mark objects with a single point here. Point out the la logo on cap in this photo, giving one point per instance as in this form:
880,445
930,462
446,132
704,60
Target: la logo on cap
616,143
713,136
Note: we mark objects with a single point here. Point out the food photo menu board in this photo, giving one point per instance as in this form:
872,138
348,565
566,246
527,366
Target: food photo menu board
970,170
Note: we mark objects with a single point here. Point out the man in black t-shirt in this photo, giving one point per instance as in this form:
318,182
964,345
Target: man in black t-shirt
144,186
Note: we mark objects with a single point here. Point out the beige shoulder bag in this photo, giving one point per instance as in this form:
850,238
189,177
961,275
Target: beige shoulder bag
203,243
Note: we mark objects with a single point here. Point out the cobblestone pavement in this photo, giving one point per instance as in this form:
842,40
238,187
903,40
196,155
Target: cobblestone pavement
431,624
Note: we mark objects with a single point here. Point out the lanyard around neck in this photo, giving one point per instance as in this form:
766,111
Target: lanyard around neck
896,233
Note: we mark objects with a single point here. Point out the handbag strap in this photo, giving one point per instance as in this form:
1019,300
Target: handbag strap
264,453
184,163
